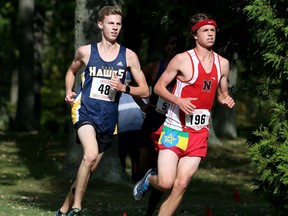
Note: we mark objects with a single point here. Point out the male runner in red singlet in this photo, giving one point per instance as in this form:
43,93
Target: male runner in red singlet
183,142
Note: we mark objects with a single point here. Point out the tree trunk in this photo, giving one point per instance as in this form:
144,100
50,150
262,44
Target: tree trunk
26,98
38,53
86,31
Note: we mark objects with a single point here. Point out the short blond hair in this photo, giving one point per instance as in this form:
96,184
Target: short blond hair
108,10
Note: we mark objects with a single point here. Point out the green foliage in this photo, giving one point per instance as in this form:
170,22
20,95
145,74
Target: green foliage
266,62
269,150
8,53
58,52
270,157
55,20
8,46
270,34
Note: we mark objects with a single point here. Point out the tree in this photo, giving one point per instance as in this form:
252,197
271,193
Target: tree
7,61
26,99
268,148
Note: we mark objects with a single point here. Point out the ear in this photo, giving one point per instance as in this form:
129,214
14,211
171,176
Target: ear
194,35
100,24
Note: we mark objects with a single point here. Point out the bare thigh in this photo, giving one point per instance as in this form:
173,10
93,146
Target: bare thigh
87,136
187,167
167,167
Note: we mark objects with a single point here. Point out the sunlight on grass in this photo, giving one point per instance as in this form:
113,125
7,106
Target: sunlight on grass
29,183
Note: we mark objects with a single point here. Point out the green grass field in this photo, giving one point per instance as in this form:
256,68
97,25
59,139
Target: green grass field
30,168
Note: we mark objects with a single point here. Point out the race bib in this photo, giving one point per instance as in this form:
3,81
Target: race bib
101,90
162,106
198,119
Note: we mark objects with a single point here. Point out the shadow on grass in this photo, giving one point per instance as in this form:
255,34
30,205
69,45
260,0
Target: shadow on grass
104,199
42,154
39,158
9,179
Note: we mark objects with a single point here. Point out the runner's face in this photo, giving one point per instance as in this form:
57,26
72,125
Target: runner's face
206,35
111,26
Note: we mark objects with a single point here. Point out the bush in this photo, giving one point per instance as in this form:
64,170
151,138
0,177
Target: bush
269,155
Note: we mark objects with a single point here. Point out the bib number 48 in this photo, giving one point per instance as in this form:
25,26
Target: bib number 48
101,90
104,89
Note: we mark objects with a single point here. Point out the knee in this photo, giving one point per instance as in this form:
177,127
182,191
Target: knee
180,185
90,158
165,183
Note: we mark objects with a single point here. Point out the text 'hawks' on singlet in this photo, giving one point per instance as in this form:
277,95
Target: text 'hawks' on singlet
96,100
203,86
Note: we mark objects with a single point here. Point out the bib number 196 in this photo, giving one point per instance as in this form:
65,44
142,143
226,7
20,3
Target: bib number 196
198,119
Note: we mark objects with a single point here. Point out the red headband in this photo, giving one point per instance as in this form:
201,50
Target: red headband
202,23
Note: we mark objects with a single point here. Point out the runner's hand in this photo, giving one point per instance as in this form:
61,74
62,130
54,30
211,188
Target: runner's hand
228,101
186,105
69,98
115,83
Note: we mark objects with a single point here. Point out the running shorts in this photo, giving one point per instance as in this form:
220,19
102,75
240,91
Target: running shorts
182,143
104,140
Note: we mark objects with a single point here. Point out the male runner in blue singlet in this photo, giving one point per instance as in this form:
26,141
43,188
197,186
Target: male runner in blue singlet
95,104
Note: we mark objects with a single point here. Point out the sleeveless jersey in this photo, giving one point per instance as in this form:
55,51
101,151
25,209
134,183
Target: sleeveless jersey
96,101
202,86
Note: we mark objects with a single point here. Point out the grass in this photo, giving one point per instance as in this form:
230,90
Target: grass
30,167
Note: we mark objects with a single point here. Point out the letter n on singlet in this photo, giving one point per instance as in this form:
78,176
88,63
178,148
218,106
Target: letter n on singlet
207,85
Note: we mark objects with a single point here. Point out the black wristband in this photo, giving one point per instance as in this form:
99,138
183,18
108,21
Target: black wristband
127,89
